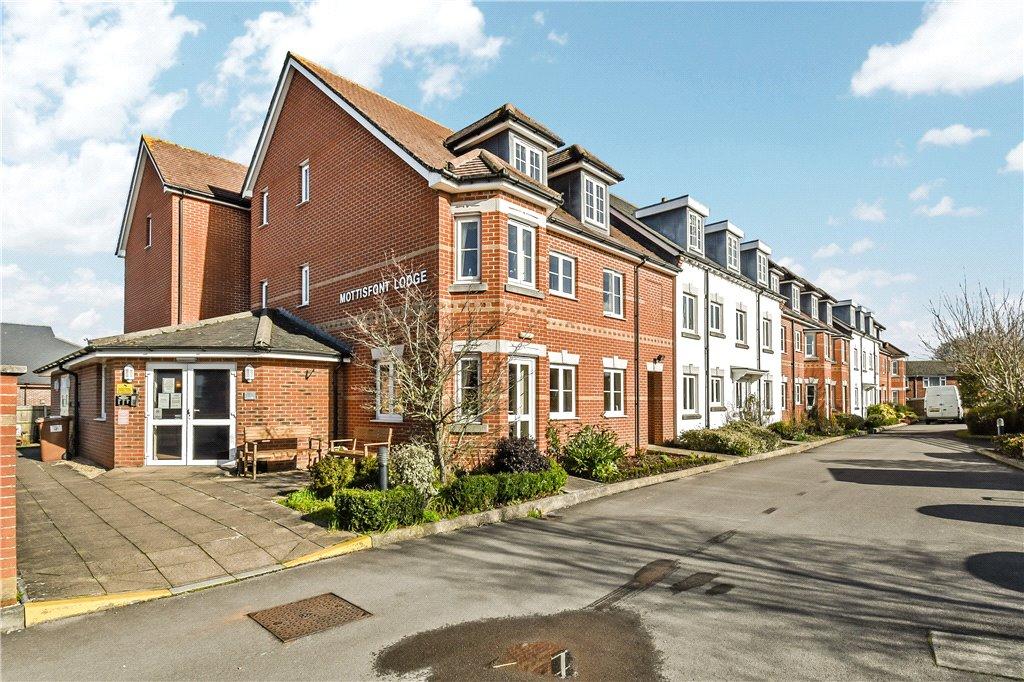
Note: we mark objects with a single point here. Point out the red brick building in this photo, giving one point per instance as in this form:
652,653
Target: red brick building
920,374
893,377
498,218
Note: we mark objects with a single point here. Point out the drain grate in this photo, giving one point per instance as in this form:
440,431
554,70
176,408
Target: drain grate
297,619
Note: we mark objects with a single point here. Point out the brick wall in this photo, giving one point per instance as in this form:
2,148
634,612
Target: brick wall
150,297
33,395
8,469
793,369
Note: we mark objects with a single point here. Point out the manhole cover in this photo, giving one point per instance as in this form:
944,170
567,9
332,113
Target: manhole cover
306,616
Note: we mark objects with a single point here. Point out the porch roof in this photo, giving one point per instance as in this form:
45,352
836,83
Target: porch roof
270,330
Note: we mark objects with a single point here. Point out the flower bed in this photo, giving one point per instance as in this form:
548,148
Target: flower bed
740,438
652,464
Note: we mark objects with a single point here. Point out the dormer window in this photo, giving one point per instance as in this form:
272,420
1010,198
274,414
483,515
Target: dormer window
762,269
527,159
794,297
594,211
696,233
814,307
775,283
732,252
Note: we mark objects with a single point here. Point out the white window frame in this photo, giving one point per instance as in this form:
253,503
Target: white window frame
595,202
762,268
774,280
798,394
695,232
617,310
767,399
563,390
265,207
794,297
741,326
304,182
894,368
526,263
809,342
717,391
264,293
766,333
103,392
688,310
798,342
785,390
715,317
562,260
811,399
149,231
690,403
388,367
732,252
610,377
304,285
459,387
529,152
461,251
782,338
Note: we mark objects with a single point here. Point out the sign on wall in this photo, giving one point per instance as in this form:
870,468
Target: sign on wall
383,286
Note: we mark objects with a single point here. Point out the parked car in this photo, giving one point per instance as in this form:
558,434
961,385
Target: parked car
942,403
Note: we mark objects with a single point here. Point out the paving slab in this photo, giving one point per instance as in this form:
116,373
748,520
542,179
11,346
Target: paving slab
83,532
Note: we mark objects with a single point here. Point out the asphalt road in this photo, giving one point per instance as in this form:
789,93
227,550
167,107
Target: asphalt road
836,563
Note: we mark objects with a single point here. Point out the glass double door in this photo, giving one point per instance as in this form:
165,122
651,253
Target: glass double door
521,397
191,413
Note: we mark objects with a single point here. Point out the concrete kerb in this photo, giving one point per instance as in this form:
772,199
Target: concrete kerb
36,612
1002,459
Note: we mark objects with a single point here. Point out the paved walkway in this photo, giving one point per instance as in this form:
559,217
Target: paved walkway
80,533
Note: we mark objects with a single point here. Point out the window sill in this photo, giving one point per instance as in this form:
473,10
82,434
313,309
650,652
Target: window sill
302,305
559,294
717,335
147,247
690,415
563,417
595,224
263,224
689,335
302,203
467,288
471,428
613,316
387,419
524,291
614,415
100,419
740,344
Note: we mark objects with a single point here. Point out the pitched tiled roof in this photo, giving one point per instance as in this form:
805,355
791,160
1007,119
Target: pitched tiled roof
505,111
196,171
267,330
421,137
929,368
577,152
480,164
893,351
31,345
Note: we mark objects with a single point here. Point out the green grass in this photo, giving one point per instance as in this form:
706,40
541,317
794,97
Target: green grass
967,435
314,510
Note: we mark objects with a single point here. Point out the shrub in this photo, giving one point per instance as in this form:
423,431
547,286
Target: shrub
471,493
882,414
412,464
527,485
1011,446
368,511
329,475
740,438
981,420
790,430
822,425
850,422
519,454
648,467
592,452
367,477
320,512
765,438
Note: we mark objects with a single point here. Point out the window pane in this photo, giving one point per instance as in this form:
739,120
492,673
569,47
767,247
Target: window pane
527,274
553,392
567,285
212,396
553,262
211,442
568,391
513,252
167,442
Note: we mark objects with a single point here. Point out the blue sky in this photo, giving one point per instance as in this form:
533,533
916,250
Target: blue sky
870,145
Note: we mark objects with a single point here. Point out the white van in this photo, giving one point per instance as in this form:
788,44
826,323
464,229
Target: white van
942,403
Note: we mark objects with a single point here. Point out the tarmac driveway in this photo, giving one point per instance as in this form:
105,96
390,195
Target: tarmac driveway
85,531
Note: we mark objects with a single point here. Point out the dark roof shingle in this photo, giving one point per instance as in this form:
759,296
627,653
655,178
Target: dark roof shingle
31,345
929,368
196,171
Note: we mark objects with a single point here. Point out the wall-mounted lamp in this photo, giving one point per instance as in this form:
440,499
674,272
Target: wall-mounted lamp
658,359
248,374
128,374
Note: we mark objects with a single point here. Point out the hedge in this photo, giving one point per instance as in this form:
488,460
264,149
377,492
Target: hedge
367,511
981,420
479,492
735,438
1011,446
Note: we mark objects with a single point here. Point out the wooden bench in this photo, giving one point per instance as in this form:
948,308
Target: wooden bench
255,435
363,443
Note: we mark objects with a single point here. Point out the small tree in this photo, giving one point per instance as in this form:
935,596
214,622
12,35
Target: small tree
426,343
981,335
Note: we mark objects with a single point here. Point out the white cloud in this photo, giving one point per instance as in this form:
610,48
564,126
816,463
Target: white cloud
845,283
538,18
560,38
79,87
1014,160
828,251
833,221
861,246
924,190
956,134
445,42
81,306
947,207
871,213
791,264
960,47
897,160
